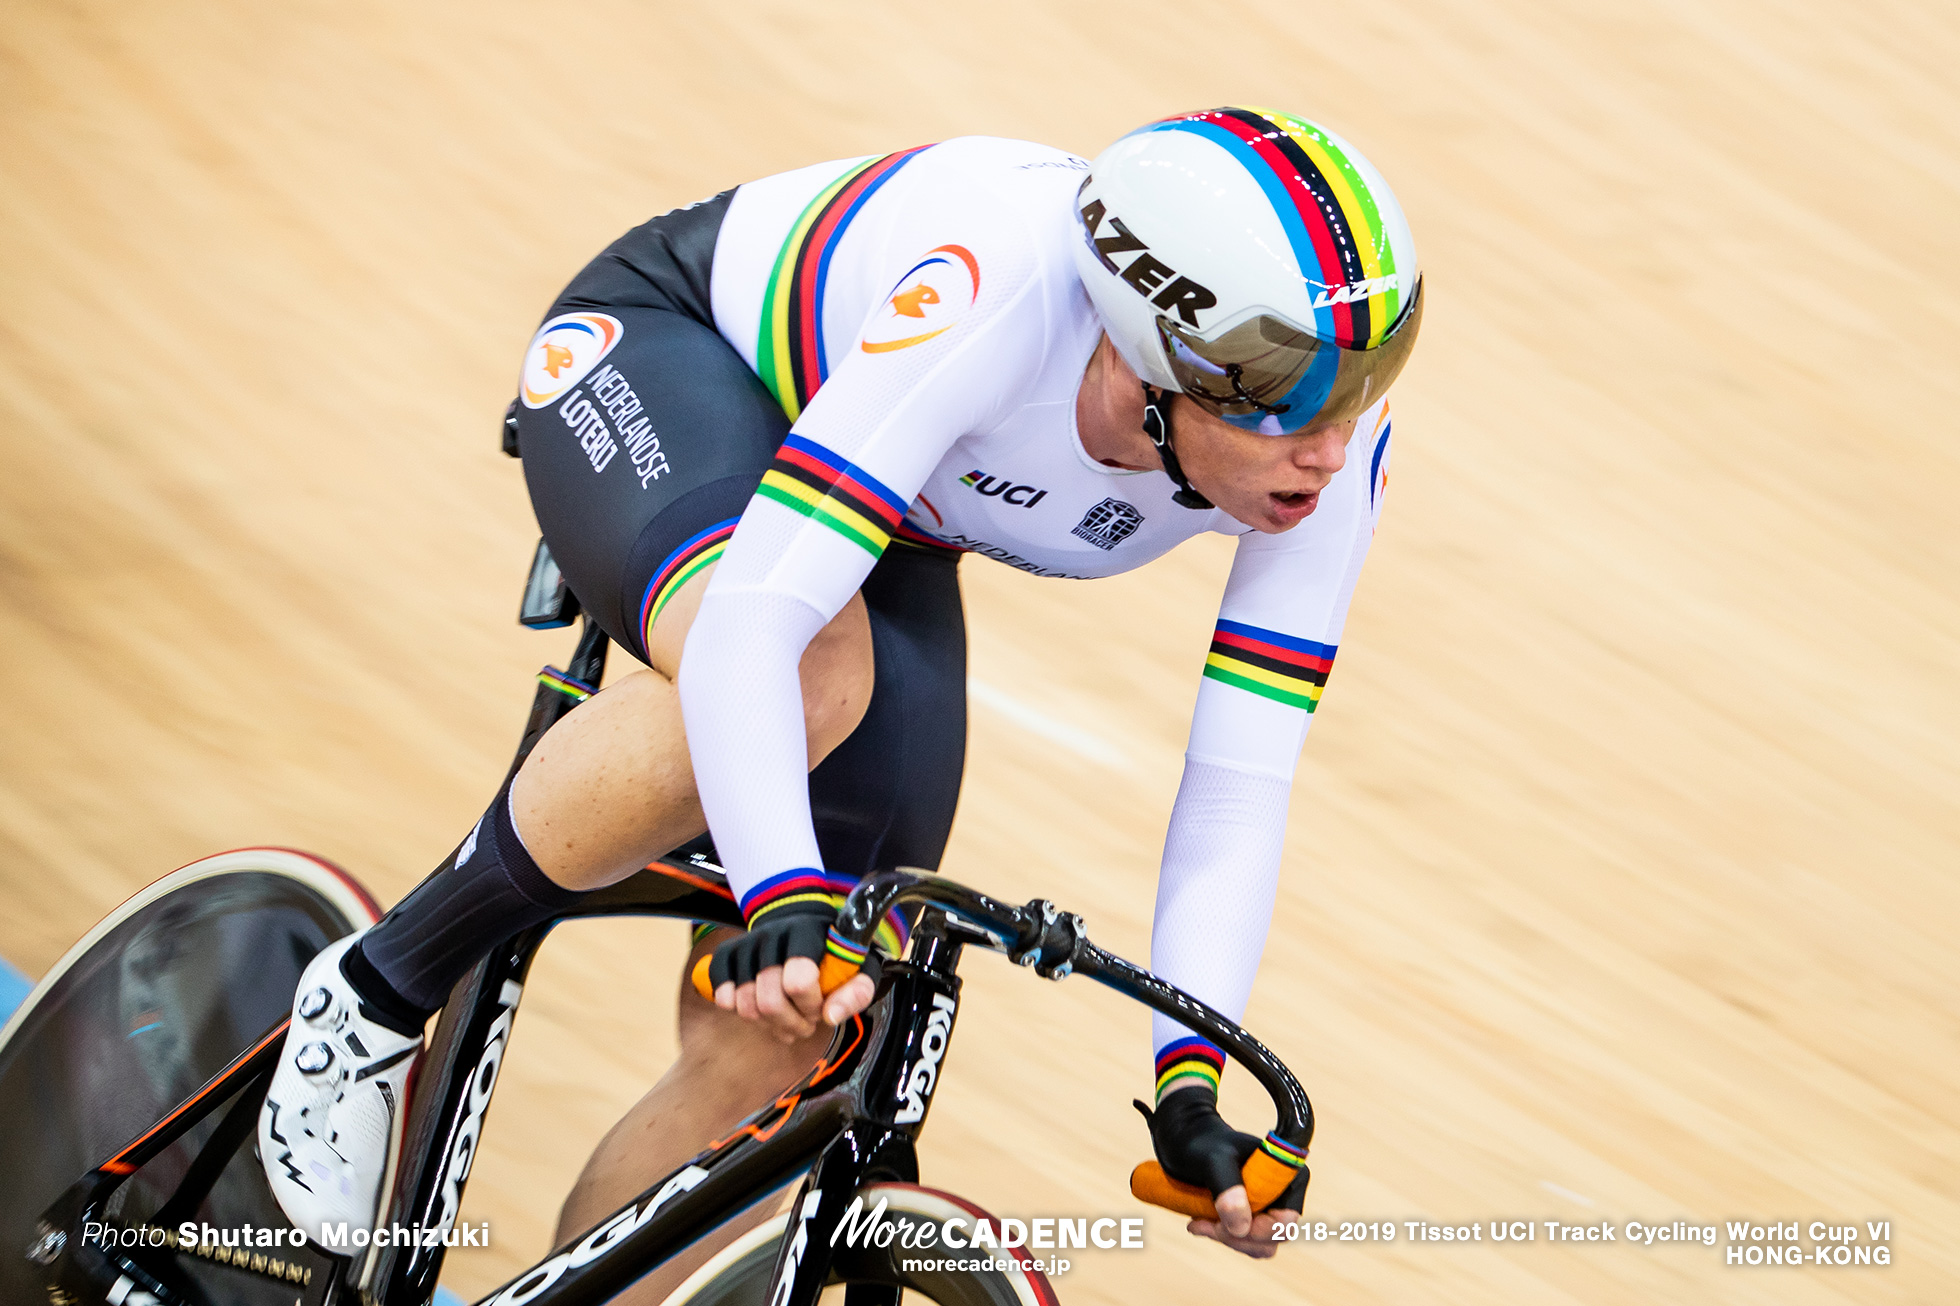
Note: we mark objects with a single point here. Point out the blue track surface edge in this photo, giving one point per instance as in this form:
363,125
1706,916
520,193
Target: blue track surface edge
14,988
444,1297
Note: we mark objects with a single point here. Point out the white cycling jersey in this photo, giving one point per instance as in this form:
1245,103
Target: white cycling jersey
920,318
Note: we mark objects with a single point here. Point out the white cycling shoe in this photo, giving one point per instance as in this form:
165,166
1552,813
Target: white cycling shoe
335,1110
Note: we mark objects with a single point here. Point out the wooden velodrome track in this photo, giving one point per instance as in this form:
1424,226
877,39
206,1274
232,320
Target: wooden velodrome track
1620,878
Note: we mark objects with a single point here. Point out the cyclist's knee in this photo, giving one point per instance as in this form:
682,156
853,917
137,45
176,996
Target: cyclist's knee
837,667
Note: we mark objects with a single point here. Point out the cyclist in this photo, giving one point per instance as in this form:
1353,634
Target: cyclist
759,433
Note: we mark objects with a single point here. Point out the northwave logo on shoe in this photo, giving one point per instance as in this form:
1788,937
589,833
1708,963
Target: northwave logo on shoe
332,1112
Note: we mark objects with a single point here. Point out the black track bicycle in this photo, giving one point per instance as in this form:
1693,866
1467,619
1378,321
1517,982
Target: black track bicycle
131,1079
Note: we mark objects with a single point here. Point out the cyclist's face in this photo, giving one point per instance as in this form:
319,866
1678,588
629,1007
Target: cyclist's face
1269,482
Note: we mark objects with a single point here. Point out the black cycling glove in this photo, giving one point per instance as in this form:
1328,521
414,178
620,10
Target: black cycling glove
1195,1145
797,929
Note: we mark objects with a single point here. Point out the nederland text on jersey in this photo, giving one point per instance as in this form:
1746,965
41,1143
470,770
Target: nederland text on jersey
810,479
1283,668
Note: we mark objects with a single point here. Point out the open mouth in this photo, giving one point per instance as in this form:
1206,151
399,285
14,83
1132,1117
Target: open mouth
1289,506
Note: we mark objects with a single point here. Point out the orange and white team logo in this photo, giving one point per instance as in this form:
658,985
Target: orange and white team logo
563,351
927,301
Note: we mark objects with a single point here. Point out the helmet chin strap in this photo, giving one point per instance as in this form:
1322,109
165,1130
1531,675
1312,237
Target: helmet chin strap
1157,425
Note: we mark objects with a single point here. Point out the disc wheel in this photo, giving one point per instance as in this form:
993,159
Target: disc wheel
739,1275
152,1002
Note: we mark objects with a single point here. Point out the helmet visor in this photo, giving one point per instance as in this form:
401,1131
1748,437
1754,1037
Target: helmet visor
1269,376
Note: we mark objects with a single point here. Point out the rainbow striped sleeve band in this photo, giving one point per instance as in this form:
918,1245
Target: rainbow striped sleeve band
789,355
1189,1062
1265,662
678,568
809,884
828,489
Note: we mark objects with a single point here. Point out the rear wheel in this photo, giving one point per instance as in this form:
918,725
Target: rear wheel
149,1005
739,1275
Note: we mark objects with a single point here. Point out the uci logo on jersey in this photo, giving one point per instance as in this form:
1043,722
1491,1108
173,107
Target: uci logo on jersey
1146,271
999,487
926,302
563,351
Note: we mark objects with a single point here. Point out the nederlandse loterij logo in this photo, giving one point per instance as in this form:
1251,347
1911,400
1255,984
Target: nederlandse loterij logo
926,301
563,351
1108,524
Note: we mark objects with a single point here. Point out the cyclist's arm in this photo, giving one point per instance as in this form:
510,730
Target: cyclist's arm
855,459
1279,624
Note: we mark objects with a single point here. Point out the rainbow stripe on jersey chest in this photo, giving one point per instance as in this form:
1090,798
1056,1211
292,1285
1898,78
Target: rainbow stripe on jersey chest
789,353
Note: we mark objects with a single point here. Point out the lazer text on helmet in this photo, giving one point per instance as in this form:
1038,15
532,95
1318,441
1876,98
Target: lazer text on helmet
1146,271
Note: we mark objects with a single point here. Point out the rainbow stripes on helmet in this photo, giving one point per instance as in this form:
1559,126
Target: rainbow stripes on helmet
789,351
1329,214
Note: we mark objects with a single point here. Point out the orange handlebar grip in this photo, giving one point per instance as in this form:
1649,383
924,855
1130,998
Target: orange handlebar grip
1265,1179
834,974
1149,1183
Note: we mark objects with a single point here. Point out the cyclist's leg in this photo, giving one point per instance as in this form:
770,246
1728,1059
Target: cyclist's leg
611,787
885,797
638,470
638,463
727,1069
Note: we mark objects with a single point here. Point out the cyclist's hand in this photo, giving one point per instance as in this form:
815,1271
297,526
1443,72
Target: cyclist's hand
770,974
1195,1145
1258,1241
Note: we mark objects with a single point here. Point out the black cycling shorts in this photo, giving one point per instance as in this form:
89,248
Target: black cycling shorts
883,798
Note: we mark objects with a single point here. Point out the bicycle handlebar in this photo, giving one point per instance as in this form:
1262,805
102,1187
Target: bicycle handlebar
1055,945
